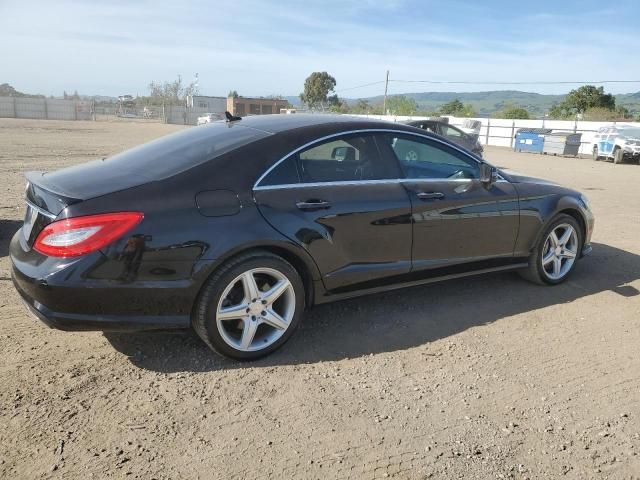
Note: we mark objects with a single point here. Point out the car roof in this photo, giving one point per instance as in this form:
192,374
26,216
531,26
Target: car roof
277,123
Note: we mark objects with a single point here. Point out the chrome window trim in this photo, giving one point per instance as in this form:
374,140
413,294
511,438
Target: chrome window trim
41,210
370,182
256,185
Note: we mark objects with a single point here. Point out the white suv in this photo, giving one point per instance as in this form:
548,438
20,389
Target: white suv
617,142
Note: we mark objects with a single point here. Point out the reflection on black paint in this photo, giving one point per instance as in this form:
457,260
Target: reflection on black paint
131,257
397,220
308,236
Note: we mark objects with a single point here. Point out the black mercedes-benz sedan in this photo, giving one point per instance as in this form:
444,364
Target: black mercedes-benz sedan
236,228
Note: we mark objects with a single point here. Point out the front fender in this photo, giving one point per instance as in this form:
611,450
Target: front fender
538,211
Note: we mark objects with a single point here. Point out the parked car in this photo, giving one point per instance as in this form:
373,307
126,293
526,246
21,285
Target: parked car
235,228
471,127
209,117
619,143
454,134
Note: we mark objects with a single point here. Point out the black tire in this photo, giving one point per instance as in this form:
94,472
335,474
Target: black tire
618,156
535,272
204,317
596,157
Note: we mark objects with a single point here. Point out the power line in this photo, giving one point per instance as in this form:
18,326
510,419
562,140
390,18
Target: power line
514,83
465,82
359,86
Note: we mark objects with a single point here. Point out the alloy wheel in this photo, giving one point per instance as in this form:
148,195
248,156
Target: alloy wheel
255,309
560,251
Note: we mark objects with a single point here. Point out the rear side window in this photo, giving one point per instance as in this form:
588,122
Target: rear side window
285,173
180,151
348,158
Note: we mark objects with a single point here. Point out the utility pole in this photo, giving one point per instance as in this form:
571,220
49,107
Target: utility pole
384,103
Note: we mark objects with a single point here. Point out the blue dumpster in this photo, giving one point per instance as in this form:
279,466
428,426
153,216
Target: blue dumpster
530,139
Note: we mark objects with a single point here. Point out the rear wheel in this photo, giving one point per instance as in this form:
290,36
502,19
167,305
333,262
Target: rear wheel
618,156
555,255
250,307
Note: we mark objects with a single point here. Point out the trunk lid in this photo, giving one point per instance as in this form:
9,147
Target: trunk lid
44,204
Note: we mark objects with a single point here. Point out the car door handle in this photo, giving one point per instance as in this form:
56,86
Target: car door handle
430,195
313,205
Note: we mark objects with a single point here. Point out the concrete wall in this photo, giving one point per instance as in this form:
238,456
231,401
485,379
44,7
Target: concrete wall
210,104
184,116
44,109
501,132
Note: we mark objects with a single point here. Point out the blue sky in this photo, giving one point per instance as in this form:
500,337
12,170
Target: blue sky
262,48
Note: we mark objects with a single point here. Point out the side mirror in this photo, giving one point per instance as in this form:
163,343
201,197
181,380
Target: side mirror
488,173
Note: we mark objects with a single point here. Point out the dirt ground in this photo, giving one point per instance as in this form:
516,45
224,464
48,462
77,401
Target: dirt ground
486,377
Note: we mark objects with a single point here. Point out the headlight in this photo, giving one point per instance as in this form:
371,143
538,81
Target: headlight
585,201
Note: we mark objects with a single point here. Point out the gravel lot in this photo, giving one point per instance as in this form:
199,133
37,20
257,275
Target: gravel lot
487,377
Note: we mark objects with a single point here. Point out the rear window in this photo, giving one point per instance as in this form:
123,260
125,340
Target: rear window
180,151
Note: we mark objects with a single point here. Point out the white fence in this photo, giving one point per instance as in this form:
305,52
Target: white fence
54,109
44,108
501,132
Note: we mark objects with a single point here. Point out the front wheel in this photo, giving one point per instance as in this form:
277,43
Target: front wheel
618,155
250,307
555,255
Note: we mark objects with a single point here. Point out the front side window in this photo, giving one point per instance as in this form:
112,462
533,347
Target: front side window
423,158
348,158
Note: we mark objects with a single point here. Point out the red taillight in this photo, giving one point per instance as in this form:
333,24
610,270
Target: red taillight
77,236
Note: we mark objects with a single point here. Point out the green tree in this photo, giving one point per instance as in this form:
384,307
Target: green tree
467,111
452,108
362,106
589,96
623,112
401,105
580,100
233,93
338,105
7,90
600,114
456,108
317,87
514,112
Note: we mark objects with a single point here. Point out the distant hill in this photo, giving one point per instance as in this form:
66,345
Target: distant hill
487,103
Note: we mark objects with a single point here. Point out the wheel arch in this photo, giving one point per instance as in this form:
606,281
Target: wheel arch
568,206
575,213
300,260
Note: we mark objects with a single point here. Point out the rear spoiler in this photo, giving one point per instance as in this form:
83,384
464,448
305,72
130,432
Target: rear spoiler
45,195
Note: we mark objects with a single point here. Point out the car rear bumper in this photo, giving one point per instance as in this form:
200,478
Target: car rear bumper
86,322
67,294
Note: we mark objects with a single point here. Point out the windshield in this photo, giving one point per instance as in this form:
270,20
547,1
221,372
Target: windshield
630,132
